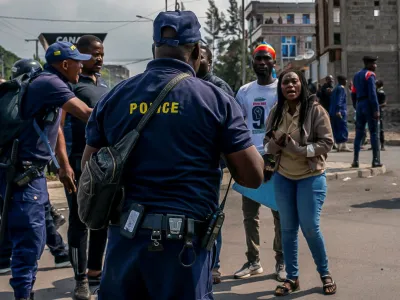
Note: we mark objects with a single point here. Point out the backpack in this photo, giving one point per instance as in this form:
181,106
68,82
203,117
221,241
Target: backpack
11,123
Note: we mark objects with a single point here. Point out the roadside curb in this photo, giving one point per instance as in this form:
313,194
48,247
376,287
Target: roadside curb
387,142
356,173
54,184
330,176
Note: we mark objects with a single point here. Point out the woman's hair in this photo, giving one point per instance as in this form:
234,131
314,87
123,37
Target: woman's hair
305,101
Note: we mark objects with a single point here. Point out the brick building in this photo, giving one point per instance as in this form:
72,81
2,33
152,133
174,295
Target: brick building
288,27
349,29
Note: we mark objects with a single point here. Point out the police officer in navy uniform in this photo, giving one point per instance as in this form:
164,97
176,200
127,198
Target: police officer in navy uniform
53,239
90,88
26,216
367,110
174,168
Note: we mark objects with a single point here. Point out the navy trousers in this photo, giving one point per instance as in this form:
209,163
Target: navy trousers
133,272
26,231
54,241
364,115
339,128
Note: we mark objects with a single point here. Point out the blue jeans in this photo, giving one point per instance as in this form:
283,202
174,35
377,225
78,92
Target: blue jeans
131,271
218,247
300,203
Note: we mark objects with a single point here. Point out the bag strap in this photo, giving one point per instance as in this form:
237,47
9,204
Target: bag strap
128,142
160,98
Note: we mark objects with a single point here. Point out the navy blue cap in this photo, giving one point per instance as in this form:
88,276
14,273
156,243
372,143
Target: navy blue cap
185,23
60,51
369,58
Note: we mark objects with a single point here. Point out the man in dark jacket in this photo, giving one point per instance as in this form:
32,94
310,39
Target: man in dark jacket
205,71
205,74
325,94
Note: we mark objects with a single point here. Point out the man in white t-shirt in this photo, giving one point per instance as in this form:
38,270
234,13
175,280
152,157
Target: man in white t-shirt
256,99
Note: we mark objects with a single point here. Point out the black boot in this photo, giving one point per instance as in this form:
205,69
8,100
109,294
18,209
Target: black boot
355,163
383,146
376,159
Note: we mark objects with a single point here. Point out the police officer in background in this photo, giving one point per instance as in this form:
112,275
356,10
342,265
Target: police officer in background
26,217
174,168
53,239
367,111
90,88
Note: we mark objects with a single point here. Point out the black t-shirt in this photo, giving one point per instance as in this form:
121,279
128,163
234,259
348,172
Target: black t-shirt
89,92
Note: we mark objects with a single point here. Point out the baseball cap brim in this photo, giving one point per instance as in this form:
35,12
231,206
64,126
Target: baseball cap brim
81,57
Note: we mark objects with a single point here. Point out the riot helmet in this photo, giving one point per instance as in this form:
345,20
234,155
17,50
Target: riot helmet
24,66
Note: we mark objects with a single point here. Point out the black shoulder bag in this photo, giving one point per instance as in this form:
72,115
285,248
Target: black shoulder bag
100,189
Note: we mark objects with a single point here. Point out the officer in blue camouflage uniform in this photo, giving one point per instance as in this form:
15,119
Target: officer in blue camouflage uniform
174,168
26,216
367,110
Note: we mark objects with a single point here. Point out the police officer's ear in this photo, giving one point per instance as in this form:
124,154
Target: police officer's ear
196,54
64,65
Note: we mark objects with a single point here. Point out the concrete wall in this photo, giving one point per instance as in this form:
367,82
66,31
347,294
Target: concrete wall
369,35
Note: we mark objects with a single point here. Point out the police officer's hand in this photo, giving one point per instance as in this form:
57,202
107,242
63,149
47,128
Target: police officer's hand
339,115
67,177
377,115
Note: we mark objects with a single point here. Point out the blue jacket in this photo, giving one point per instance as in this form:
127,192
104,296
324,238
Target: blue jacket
364,87
338,101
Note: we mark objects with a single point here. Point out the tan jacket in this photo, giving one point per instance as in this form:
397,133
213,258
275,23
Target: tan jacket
317,140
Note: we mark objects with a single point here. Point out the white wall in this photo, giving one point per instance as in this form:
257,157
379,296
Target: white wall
323,66
314,71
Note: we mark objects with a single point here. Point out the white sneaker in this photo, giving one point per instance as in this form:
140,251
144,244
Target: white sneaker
249,269
5,270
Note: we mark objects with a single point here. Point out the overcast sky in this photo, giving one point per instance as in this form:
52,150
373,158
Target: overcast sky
122,45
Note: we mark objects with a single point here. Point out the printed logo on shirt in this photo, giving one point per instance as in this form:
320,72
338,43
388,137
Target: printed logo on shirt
165,108
258,115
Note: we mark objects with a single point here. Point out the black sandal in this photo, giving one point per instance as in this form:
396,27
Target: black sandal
328,285
283,290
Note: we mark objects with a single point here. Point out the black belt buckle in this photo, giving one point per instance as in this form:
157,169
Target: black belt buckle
175,227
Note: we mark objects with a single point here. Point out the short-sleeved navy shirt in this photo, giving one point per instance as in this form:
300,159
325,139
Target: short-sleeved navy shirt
175,165
49,89
89,92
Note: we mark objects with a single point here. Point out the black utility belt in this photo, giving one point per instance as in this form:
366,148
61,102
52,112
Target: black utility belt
171,227
174,226
28,172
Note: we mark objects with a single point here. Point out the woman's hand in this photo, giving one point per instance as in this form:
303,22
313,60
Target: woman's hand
293,147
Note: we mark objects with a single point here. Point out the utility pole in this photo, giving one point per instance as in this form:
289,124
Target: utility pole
37,46
166,5
243,48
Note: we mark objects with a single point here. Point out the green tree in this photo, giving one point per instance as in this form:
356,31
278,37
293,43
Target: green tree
214,23
9,59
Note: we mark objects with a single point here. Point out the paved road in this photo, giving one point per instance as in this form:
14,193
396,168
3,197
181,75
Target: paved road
360,223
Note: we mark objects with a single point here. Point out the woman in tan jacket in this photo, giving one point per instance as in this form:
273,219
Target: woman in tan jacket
299,136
